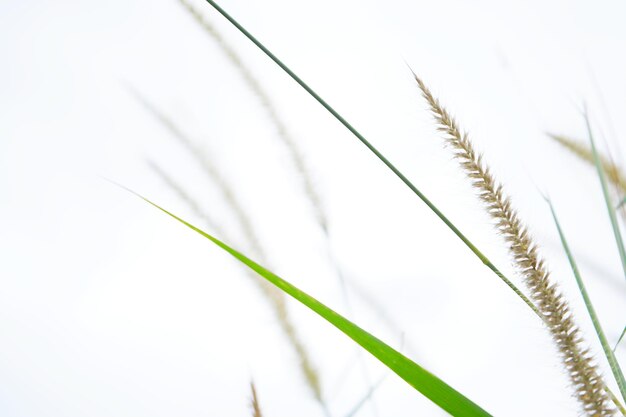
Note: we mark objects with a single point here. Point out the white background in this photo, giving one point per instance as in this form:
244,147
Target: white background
110,308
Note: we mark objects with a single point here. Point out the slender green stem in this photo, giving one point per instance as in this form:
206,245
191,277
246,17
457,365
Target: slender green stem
379,155
607,197
610,356
620,339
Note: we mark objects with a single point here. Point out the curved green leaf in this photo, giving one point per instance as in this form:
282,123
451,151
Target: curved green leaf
419,378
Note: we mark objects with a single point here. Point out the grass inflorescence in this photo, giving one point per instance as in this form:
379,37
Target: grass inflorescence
584,375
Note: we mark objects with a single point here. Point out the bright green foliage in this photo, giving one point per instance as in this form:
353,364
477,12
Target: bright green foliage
423,381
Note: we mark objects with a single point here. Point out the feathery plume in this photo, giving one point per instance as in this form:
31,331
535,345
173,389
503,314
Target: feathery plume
583,374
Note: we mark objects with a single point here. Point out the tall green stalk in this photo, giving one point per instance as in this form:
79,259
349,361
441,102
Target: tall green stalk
379,155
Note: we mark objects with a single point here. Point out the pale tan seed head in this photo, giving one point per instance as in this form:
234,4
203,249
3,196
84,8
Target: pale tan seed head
589,388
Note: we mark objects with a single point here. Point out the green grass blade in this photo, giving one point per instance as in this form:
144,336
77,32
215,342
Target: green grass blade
423,381
379,155
620,339
607,197
610,356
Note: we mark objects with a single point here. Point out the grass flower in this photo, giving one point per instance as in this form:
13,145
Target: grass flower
589,388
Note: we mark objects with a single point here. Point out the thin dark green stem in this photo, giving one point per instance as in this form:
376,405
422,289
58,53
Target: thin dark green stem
379,155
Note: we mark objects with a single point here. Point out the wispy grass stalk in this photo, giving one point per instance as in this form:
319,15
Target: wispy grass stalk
610,356
255,86
295,153
209,169
266,288
180,192
285,321
250,235
589,388
277,300
275,297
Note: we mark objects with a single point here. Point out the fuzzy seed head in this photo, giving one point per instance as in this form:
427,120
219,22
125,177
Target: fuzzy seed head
589,388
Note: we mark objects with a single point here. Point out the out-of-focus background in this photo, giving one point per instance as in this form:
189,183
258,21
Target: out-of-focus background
108,307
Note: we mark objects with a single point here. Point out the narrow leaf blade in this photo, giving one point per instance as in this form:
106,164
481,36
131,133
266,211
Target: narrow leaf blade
422,380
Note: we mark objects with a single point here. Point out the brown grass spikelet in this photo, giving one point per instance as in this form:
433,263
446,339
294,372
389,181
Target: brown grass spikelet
254,401
584,376
613,172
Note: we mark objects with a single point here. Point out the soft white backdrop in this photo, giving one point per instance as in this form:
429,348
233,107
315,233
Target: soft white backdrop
108,307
